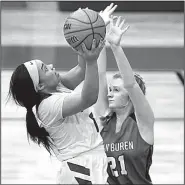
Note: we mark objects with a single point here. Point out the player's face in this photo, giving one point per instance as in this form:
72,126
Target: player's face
48,76
117,94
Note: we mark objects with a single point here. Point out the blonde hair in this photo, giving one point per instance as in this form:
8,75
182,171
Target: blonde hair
104,119
138,79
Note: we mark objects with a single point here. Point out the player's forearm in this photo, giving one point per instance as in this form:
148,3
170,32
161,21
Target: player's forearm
102,102
102,67
81,63
80,71
91,83
102,61
123,65
75,76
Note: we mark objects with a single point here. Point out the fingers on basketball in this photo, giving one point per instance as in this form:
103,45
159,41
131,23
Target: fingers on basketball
101,44
84,48
93,44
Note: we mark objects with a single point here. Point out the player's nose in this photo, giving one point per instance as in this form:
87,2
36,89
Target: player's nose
51,66
110,94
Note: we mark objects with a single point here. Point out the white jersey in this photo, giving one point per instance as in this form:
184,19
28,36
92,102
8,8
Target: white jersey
72,135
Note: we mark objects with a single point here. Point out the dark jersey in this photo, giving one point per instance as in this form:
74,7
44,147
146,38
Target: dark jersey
129,156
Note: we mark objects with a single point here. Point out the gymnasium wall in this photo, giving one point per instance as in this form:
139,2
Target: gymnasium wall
156,58
23,32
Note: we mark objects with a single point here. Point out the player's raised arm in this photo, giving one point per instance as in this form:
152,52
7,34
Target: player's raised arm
106,14
101,105
75,76
80,100
144,113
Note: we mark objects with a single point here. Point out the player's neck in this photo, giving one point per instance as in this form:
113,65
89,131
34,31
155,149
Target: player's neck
48,91
121,115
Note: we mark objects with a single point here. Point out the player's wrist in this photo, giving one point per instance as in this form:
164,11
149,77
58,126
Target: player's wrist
81,63
114,44
90,63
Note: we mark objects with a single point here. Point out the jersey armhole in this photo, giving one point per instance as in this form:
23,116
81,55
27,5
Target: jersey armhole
134,117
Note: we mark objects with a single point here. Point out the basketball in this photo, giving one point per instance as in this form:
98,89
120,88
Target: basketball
82,26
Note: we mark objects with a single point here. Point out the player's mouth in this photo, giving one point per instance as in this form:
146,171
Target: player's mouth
57,74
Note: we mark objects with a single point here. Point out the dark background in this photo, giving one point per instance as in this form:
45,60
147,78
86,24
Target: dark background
148,6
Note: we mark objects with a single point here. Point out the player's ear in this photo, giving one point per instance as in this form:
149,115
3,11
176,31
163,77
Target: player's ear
40,86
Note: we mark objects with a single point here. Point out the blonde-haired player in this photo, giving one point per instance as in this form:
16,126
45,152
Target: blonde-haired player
126,118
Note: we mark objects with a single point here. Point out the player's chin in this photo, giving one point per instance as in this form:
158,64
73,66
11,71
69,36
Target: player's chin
114,106
58,80
111,105
58,77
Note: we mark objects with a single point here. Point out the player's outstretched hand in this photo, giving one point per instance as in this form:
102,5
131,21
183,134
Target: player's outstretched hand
106,14
116,31
93,54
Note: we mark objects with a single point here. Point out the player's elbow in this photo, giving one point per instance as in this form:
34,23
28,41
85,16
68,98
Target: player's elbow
92,100
150,113
152,116
88,102
90,95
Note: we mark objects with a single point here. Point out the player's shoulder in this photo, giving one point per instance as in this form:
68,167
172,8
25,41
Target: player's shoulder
51,101
51,98
50,108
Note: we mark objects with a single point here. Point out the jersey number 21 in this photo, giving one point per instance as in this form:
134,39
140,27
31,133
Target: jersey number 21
112,162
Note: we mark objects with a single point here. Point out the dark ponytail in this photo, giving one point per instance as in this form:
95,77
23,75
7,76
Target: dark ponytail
37,134
23,92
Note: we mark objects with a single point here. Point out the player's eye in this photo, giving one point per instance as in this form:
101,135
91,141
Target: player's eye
116,89
45,68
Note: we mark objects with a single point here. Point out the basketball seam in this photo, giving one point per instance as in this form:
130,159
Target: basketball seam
90,22
86,37
83,21
79,20
95,19
83,30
